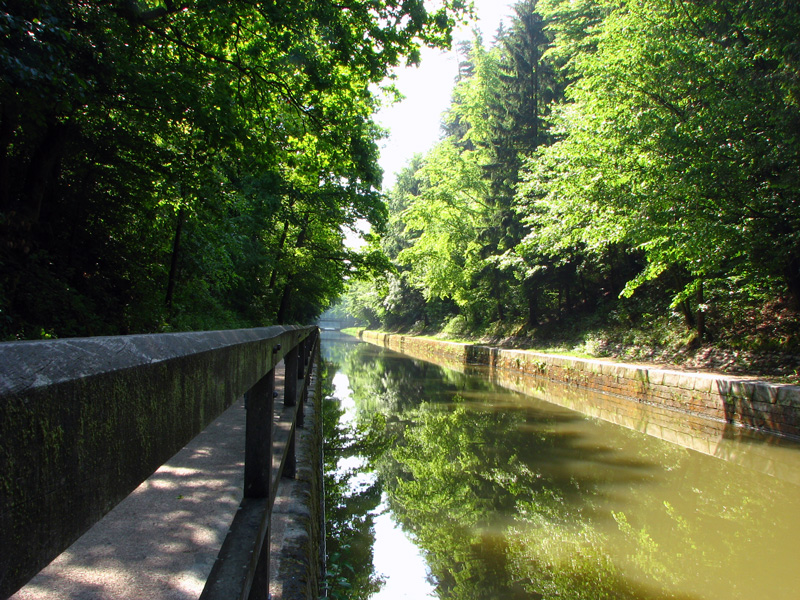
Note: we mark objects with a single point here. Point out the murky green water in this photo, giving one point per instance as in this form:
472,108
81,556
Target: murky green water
451,487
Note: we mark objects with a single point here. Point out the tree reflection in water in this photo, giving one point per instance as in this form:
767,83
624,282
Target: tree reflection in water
510,497
351,499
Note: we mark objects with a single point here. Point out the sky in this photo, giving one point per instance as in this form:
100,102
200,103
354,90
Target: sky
414,123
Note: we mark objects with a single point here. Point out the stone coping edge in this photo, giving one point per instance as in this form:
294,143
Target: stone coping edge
35,363
763,406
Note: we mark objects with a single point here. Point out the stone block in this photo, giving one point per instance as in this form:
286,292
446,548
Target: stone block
764,393
704,383
788,395
671,379
686,381
655,377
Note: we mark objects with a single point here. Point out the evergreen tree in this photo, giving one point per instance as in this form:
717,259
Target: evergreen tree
518,110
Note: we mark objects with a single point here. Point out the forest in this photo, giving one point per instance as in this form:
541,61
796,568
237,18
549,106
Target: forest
617,170
628,170
192,164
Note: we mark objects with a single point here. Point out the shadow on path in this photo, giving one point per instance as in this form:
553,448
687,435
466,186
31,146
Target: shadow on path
162,540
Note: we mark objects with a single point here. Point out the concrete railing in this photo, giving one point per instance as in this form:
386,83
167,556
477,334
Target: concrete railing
85,421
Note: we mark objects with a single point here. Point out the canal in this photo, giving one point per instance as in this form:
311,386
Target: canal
442,484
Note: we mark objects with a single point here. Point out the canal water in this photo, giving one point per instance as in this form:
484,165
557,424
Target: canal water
445,485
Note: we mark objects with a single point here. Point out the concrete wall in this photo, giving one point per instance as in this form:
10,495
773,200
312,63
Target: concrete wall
760,406
297,539
84,421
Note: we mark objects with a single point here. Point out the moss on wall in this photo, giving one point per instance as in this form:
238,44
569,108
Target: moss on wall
83,422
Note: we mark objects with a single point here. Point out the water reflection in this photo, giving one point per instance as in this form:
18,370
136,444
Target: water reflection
509,496
352,492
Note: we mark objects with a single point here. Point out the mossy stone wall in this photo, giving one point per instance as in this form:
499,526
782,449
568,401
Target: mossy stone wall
758,405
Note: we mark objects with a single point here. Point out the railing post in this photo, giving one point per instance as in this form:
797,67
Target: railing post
258,465
258,438
295,363
301,362
301,376
243,562
307,360
290,361
290,378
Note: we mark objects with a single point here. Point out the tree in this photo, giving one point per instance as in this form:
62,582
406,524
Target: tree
446,213
454,214
675,143
518,105
149,151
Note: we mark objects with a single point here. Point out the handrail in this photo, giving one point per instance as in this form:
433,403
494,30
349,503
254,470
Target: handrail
241,570
99,415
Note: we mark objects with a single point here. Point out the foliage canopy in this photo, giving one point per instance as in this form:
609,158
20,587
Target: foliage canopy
192,164
626,159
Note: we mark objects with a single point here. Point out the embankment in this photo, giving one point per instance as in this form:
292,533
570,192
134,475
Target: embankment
707,400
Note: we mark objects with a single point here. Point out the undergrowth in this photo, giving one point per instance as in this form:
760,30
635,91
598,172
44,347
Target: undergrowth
760,341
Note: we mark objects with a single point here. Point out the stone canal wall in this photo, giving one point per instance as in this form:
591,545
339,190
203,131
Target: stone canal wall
297,551
757,405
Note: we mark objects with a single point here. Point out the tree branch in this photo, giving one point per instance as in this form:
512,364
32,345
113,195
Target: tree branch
253,73
134,12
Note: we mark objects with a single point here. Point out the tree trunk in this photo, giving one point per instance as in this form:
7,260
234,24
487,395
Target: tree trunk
43,166
278,254
688,317
283,308
792,278
701,314
6,135
501,313
173,264
685,306
531,294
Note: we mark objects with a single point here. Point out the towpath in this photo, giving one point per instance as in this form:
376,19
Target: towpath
161,541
